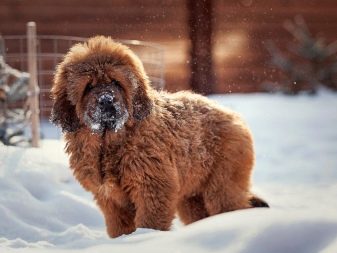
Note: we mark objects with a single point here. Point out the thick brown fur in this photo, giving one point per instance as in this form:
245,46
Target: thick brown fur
176,152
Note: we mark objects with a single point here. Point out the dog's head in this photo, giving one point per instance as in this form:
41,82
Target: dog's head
101,85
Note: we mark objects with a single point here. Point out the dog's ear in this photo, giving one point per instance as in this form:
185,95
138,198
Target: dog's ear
64,115
142,104
63,111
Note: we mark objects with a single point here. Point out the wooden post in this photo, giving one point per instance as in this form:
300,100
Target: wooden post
2,47
33,83
200,32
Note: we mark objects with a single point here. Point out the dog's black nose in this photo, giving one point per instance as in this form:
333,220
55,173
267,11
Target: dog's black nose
105,102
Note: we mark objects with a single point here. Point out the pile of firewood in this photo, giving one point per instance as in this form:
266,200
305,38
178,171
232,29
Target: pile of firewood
13,105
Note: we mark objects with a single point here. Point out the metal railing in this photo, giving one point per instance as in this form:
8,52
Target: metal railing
51,49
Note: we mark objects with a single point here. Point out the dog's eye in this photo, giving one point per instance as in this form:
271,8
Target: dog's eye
115,82
88,88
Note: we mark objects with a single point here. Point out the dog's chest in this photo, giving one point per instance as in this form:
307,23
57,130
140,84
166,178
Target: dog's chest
110,172
92,158
109,163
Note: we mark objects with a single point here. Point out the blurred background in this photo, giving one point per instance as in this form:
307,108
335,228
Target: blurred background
274,62
209,46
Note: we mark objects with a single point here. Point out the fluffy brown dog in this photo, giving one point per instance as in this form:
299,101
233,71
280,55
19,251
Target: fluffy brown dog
146,154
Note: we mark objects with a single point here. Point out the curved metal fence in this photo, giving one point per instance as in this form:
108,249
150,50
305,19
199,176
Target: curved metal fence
51,49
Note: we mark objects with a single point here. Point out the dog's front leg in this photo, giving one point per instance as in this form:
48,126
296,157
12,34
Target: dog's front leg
155,201
119,212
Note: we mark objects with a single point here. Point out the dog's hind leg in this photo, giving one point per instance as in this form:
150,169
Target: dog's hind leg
223,196
191,209
219,199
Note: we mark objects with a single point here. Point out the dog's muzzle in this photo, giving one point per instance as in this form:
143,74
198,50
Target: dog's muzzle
107,114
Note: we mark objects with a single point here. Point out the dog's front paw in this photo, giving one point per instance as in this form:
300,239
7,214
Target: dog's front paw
118,231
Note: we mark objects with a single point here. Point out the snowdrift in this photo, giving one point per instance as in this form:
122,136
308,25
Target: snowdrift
43,209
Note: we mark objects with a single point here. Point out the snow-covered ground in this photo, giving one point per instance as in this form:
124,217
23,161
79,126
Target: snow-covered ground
43,209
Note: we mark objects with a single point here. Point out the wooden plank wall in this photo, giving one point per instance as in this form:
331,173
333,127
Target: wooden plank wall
241,29
244,27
